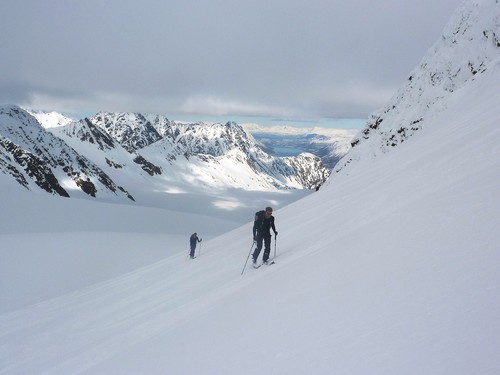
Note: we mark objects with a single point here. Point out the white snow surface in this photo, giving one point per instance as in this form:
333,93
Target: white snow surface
50,119
392,267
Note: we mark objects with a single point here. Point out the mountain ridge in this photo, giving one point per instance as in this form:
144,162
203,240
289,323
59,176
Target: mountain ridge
148,150
51,165
468,46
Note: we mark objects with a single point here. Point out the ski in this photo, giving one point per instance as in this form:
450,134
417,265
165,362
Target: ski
270,261
256,266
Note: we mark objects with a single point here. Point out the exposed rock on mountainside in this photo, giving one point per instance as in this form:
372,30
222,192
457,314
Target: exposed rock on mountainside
132,130
215,149
35,157
149,151
19,163
310,170
470,43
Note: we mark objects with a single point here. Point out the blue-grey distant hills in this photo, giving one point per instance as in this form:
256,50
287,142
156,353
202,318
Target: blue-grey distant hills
328,144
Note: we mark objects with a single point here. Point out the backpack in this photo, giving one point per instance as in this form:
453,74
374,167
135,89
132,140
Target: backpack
259,216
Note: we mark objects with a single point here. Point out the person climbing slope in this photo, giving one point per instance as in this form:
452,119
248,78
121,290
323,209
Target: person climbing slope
193,241
263,223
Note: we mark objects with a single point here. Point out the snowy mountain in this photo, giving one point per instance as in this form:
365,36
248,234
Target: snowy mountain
132,130
468,47
218,155
391,268
145,152
105,151
50,119
308,166
36,159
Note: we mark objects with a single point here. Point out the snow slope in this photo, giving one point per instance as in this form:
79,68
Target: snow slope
391,268
50,119
51,246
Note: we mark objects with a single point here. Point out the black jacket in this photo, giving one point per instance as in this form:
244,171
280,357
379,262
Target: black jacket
193,239
262,225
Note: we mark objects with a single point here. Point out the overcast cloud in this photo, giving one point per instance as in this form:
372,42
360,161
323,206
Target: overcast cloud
273,58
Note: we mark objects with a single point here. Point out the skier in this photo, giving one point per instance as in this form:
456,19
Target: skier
264,221
193,241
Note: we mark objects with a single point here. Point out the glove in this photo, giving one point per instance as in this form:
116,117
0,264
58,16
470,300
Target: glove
275,234
254,238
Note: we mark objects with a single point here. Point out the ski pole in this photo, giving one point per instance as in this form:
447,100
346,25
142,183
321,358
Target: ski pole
248,257
275,240
199,251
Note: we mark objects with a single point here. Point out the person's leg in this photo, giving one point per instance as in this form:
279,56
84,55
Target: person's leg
258,248
267,249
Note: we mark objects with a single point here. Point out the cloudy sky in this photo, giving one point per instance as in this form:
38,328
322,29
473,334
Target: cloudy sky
286,59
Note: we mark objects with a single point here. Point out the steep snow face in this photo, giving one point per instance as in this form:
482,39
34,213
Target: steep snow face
38,159
85,131
106,152
50,119
469,45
